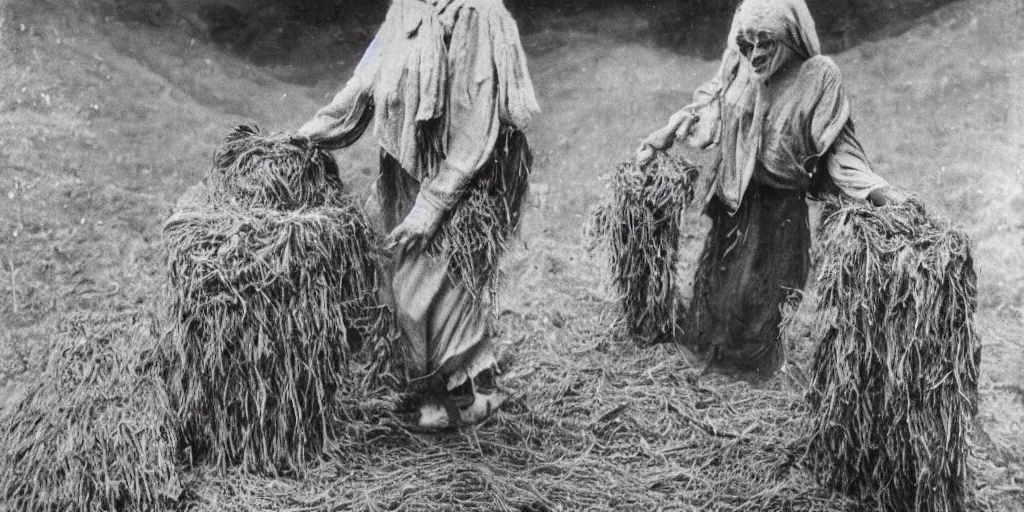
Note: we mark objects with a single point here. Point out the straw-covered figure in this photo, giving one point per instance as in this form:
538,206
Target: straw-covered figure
778,118
447,86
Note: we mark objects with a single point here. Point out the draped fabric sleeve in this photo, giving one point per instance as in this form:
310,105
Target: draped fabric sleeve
517,101
848,166
834,138
473,110
707,104
342,122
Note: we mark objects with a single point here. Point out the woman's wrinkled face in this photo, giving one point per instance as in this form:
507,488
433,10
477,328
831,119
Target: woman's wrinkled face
762,51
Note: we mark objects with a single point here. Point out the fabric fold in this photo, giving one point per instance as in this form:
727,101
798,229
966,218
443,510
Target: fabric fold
784,122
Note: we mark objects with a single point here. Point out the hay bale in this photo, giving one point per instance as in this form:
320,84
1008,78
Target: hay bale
281,171
95,431
895,373
275,293
478,231
638,227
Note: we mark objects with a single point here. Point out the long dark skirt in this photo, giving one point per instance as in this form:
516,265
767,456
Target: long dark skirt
752,261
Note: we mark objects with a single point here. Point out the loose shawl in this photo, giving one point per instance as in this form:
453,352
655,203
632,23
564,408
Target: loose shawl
429,99
786,124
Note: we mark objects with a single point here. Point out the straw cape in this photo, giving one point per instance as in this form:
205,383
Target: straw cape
475,236
277,324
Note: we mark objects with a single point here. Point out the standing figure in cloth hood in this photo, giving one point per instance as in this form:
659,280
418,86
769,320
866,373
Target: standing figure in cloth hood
447,86
779,120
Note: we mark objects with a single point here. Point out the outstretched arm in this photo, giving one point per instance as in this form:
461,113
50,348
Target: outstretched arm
834,135
343,121
678,127
697,123
849,169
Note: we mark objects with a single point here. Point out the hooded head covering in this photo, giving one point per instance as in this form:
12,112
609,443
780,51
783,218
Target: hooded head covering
735,102
787,22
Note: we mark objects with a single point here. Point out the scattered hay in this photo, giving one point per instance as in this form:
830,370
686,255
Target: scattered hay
275,294
639,228
94,431
895,373
477,232
651,435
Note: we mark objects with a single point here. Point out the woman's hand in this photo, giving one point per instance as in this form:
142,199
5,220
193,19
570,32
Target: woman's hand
677,128
683,130
418,228
886,195
644,154
657,141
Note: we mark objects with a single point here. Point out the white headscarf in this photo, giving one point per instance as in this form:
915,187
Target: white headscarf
789,22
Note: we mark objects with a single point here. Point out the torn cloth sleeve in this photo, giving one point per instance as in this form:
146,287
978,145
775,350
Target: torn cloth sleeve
833,134
342,122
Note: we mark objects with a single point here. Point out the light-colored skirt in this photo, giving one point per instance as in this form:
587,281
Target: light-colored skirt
446,327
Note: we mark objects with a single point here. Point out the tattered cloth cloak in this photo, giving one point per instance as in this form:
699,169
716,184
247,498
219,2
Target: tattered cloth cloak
447,86
776,139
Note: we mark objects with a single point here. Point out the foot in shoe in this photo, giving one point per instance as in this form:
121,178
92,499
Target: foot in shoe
485,381
434,416
483,406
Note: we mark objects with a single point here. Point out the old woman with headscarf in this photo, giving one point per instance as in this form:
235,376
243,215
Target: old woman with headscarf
446,84
778,118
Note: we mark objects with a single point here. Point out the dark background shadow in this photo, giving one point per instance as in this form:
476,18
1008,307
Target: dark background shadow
268,31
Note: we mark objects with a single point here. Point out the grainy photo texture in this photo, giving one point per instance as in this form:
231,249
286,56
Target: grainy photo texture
511,255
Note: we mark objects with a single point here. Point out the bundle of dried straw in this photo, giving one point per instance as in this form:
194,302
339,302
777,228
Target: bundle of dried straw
95,431
478,231
278,172
275,275
896,369
638,227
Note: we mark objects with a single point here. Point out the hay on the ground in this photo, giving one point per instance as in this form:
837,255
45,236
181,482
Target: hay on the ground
95,431
651,435
478,231
272,302
638,227
896,370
